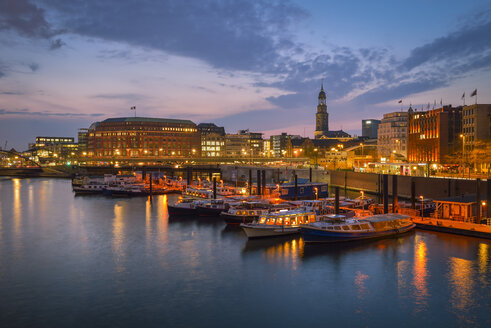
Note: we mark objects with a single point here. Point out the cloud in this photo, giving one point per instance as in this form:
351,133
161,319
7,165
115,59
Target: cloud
27,112
11,93
56,44
33,66
123,96
238,35
25,18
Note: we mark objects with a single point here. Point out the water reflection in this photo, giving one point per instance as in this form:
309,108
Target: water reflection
17,216
360,284
483,258
420,273
282,249
402,269
118,237
460,277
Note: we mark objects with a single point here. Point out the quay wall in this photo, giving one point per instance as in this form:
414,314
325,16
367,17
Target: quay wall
427,187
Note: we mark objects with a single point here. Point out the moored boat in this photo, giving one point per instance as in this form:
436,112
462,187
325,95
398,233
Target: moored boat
184,207
278,223
333,228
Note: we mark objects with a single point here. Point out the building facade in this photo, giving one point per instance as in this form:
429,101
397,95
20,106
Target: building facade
476,136
392,134
322,116
142,139
433,135
212,140
54,150
278,144
369,128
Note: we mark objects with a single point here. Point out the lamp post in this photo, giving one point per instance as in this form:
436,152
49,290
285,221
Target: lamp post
422,199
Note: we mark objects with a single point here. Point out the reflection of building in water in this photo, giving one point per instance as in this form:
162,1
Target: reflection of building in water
402,267
420,272
460,276
118,236
360,284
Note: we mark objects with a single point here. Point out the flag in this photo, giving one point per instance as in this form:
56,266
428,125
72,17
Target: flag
133,108
474,93
441,101
463,96
400,101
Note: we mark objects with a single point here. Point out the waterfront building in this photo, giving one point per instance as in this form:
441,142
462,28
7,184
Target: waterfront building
279,144
392,135
476,135
369,128
267,152
244,144
142,139
55,150
82,140
212,140
433,135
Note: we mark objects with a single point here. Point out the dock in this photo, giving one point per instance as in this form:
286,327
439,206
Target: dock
455,227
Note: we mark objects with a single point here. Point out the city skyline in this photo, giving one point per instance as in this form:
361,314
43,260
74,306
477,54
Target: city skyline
240,64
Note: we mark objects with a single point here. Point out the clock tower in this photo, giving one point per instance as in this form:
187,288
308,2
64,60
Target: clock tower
322,116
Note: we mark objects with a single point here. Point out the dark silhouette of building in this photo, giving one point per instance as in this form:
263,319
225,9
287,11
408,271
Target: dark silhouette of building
369,128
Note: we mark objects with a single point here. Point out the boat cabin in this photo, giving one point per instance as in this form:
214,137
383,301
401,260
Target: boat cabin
460,208
287,218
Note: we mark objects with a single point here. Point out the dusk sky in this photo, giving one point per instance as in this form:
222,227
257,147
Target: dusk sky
240,64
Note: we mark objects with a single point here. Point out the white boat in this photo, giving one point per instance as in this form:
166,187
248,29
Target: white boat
284,222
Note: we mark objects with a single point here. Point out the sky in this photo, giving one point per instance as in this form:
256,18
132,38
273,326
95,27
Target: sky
242,64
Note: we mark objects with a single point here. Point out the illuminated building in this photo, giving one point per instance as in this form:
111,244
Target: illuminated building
212,140
54,149
434,134
392,135
476,124
142,139
244,144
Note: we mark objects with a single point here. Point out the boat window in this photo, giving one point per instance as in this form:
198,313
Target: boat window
270,221
279,221
365,226
262,220
251,212
287,221
355,227
337,228
329,228
345,227
312,218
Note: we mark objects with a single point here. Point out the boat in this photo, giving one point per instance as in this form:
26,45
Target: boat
212,207
245,212
184,207
89,188
284,222
335,228
126,190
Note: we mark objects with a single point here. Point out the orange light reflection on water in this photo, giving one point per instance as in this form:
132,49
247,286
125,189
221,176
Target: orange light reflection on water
460,276
289,252
420,273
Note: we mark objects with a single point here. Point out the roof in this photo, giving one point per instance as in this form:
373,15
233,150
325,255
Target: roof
468,198
384,217
146,119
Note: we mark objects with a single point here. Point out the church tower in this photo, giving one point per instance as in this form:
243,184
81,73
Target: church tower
321,117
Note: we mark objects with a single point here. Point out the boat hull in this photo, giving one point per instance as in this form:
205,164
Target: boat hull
263,232
206,211
182,211
235,219
315,235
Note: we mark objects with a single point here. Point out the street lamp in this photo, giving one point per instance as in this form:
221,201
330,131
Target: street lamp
422,199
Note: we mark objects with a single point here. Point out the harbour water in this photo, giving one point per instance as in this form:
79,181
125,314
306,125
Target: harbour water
94,261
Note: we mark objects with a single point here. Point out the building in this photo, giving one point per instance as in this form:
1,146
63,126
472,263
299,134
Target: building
212,140
142,139
433,135
369,128
322,116
279,144
83,139
476,136
267,152
55,150
236,145
392,135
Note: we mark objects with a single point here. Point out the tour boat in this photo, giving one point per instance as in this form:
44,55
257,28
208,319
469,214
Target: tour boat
279,223
245,212
333,228
89,188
